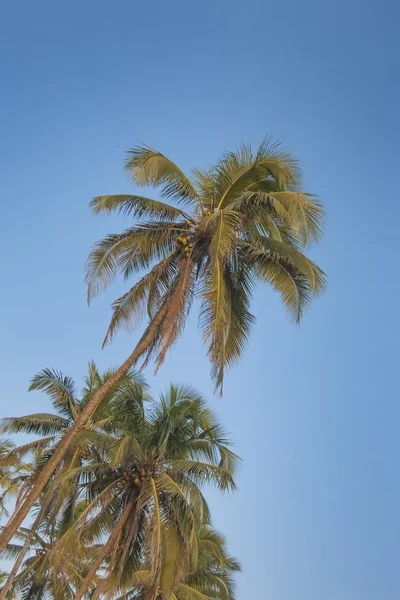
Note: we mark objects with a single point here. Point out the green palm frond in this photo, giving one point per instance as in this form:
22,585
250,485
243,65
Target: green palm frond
137,206
128,253
238,171
155,539
314,276
181,295
10,552
303,210
129,309
202,472
59,387
287,281
35,447
289,272
215,316
39,424
147,167
186,592
239,285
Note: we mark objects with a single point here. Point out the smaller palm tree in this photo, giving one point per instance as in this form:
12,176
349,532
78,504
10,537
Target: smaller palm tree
209,577
18,478
13,475
153,464
37,578
52,427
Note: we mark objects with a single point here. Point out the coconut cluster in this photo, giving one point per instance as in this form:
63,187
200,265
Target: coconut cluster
185,244
133,476
85,454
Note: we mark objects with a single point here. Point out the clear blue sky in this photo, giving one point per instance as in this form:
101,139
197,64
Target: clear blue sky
314,411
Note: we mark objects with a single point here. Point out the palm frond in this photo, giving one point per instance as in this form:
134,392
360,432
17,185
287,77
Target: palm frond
136,206
238,171
130,308
313,275
128,252
35,447
39,424
303,210
201,472
215,315
179,304
186,592
149,167
282,275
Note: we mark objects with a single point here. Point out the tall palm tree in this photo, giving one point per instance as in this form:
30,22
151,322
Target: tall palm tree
149,481
246,219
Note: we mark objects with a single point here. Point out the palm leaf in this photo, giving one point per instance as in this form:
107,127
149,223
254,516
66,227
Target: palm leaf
202,472
303,210
39,424
59,387
238,171
186,592
128,252
130,308
312,274
137,206
149,167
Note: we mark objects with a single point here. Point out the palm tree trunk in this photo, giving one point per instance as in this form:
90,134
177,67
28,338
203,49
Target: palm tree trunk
20,557
91,406
116,533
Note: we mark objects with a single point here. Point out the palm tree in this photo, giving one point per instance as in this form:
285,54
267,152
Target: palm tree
210,577
38,579
53,427
246,219
13,475
148,481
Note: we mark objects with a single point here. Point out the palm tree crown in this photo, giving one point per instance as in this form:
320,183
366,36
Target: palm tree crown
144,488
124,510
212,237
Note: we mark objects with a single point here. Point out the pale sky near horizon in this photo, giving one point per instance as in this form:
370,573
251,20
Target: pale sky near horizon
313,411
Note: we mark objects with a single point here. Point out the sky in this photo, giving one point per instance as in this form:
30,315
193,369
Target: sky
313,410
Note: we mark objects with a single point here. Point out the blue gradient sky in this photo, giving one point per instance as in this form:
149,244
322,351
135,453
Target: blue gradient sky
314,411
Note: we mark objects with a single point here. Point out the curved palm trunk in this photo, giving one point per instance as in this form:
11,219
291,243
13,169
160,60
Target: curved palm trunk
105,550
20,558
91,406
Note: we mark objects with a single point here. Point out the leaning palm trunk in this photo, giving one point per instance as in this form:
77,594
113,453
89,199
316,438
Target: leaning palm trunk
105,551
20,558
13,524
